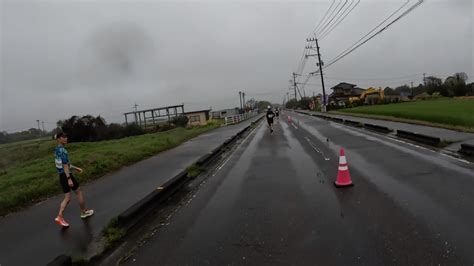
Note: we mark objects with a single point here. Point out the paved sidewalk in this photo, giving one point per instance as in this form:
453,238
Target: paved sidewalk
444,134
30,237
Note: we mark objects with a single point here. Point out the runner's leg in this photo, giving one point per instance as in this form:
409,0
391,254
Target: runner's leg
80,198
64,203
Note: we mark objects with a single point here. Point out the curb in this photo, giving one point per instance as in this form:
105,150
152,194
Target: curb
132,215
61,260
467,149
338,120
377,128
353,123
429,140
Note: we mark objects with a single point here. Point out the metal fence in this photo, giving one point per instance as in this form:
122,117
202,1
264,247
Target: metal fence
234,119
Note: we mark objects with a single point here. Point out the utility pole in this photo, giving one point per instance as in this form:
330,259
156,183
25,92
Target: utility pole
135,113
424,79
320,64
243,100
240,98
294,84
38,125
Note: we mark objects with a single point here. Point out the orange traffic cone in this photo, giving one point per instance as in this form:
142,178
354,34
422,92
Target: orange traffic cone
343,176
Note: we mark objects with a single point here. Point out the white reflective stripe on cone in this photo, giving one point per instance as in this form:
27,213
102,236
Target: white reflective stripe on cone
342,160
343,168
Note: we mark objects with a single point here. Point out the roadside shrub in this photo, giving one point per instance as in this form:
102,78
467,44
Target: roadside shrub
133,130
424,96
114,131
165,127
180,121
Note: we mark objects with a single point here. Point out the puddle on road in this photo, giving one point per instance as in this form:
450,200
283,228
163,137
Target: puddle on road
313,181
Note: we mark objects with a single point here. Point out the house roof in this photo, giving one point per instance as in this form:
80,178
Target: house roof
344,86
199,111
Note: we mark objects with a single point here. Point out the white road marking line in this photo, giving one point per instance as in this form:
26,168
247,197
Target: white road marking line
383,139
316,149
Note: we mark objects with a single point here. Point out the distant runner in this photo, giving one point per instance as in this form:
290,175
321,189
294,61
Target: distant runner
67,180
270,116
277,113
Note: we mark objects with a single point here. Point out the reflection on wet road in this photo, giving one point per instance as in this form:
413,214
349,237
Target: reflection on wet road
274,203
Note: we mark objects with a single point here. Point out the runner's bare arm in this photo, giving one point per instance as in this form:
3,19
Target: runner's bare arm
66,170
73,167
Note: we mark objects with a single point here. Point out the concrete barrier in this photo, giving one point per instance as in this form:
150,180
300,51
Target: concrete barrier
133,214
429,140
377,128
338,120
352,123
467,149
129,217
61,260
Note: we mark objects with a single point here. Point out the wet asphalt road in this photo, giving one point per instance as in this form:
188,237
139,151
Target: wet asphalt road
274,203
31,237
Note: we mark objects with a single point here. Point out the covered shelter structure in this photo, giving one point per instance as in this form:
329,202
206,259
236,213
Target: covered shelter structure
154,115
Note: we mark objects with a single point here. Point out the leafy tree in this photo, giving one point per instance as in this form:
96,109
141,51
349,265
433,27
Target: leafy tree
304,103
456,84
291,104
262,105
403,90
389,91
3,137
420,89
434,84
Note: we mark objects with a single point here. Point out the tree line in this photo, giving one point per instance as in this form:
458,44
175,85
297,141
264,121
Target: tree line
455,85
89,128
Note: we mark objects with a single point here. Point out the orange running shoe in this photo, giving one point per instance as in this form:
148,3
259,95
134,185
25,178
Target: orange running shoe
61,221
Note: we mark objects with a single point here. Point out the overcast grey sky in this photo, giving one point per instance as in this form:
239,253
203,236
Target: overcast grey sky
63,58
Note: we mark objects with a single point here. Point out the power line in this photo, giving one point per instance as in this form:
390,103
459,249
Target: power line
330,17
302,63
325,24
339,22
324,17
345,53
376,78
381,23
336,17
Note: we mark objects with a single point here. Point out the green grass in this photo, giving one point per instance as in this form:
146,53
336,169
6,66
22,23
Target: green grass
195,170
28,175
112,233
454,114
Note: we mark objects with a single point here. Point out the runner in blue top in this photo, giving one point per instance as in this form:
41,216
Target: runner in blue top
67,180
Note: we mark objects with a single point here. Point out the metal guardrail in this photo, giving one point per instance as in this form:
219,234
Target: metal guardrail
235,119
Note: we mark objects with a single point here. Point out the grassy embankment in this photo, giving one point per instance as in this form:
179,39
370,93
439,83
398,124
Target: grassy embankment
456,114
27,173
